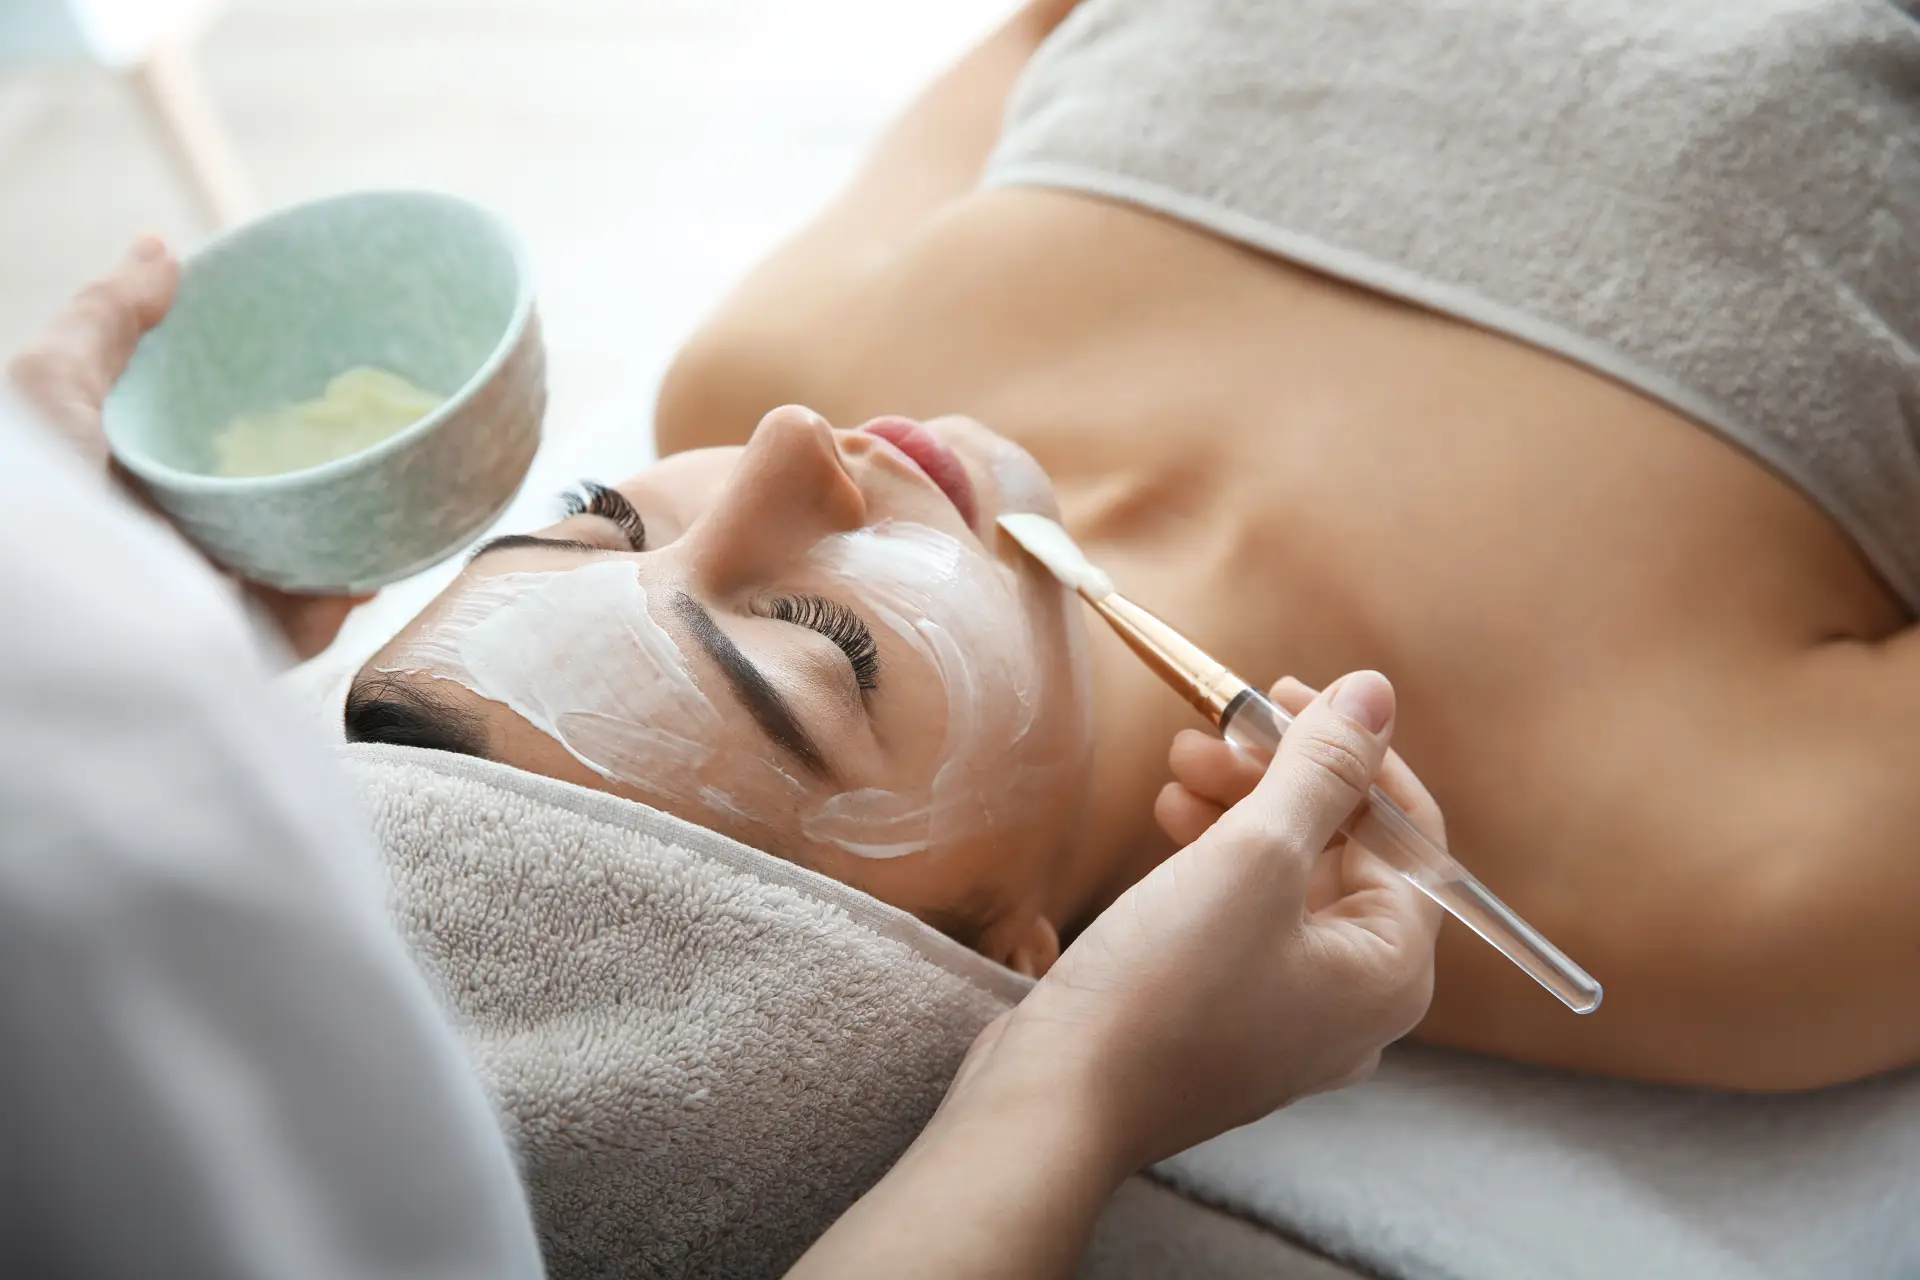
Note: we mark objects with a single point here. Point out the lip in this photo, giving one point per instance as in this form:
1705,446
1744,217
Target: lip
936,461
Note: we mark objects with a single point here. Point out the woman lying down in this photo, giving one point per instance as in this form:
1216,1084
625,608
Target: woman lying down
1558,360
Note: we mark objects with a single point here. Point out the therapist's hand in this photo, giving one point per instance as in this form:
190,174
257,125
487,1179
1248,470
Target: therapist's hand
1210,776
68,372
1267,960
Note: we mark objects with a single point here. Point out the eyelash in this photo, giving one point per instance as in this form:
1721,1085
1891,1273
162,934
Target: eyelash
593,499
837,623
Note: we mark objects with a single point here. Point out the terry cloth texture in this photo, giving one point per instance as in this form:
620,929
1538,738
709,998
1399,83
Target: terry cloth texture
1446,1166
1716,202
703,1054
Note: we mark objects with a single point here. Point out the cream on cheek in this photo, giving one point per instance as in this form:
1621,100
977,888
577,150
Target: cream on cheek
961,613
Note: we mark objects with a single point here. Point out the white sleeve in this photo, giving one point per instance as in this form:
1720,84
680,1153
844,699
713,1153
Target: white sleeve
216,1059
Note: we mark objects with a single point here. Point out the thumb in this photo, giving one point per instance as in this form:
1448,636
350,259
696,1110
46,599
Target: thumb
1325,766
73,365
115,314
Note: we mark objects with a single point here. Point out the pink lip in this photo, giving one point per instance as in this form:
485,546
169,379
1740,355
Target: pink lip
927,452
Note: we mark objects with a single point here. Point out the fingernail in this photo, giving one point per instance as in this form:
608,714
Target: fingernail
148,249
1365,698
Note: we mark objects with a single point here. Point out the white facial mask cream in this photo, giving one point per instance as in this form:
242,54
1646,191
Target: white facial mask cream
954,610
580,656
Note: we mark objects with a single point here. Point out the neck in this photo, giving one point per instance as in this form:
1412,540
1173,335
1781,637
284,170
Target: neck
1163,529
1135,718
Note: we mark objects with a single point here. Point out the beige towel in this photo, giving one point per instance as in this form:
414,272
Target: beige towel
703,1053
1714,201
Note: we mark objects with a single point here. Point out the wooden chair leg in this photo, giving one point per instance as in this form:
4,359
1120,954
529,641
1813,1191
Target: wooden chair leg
175,97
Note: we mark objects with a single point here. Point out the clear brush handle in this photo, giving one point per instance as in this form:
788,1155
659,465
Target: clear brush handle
1384,829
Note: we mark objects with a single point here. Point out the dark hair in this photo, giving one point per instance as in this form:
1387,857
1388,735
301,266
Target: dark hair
401,713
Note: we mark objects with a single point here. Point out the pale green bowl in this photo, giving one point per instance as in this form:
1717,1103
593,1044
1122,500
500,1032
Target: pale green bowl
425,285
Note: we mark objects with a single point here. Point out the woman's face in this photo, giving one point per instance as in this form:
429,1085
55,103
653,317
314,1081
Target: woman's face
818,643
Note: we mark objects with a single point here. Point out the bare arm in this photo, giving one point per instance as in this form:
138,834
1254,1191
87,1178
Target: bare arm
1836,891
1798,946
726,376
1753,904
1002,1183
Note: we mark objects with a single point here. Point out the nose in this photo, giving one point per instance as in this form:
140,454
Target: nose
788,491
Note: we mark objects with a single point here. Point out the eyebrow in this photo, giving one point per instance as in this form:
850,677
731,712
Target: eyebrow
507,542
750,685
756,693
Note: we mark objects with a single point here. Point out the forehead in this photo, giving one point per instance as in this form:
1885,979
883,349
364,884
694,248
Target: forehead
600,664
586,632
603,637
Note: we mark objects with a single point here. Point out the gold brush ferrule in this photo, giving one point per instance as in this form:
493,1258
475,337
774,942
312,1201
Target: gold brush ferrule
1186,668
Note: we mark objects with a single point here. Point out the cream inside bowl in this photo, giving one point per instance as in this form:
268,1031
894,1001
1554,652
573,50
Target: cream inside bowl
372,362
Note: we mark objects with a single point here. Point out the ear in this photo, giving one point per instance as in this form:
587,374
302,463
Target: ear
1028,946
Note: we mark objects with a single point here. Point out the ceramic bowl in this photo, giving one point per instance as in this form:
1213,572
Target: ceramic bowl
420,284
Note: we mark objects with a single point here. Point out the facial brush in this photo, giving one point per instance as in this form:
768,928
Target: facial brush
1246,717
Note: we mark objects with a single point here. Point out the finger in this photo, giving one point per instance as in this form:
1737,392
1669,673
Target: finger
1292,694
1212,768
1324,767
1382,931
1395,777
1370,893
86,348
1352,884
107,320
1405,789
309,623
1397,975
1184,816
1326,882
1220,771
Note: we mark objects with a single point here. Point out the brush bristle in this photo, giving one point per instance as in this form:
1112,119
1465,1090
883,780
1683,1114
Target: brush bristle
1055,548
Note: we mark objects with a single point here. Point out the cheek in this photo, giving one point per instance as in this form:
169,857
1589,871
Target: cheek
1060,637
964,620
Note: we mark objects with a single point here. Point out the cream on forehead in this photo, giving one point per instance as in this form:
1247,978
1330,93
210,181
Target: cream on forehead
578,656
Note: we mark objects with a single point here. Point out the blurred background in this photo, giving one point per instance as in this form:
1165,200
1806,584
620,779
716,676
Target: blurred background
648,151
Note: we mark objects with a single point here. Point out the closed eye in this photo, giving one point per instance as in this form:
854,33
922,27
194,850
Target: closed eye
837,623
595,499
